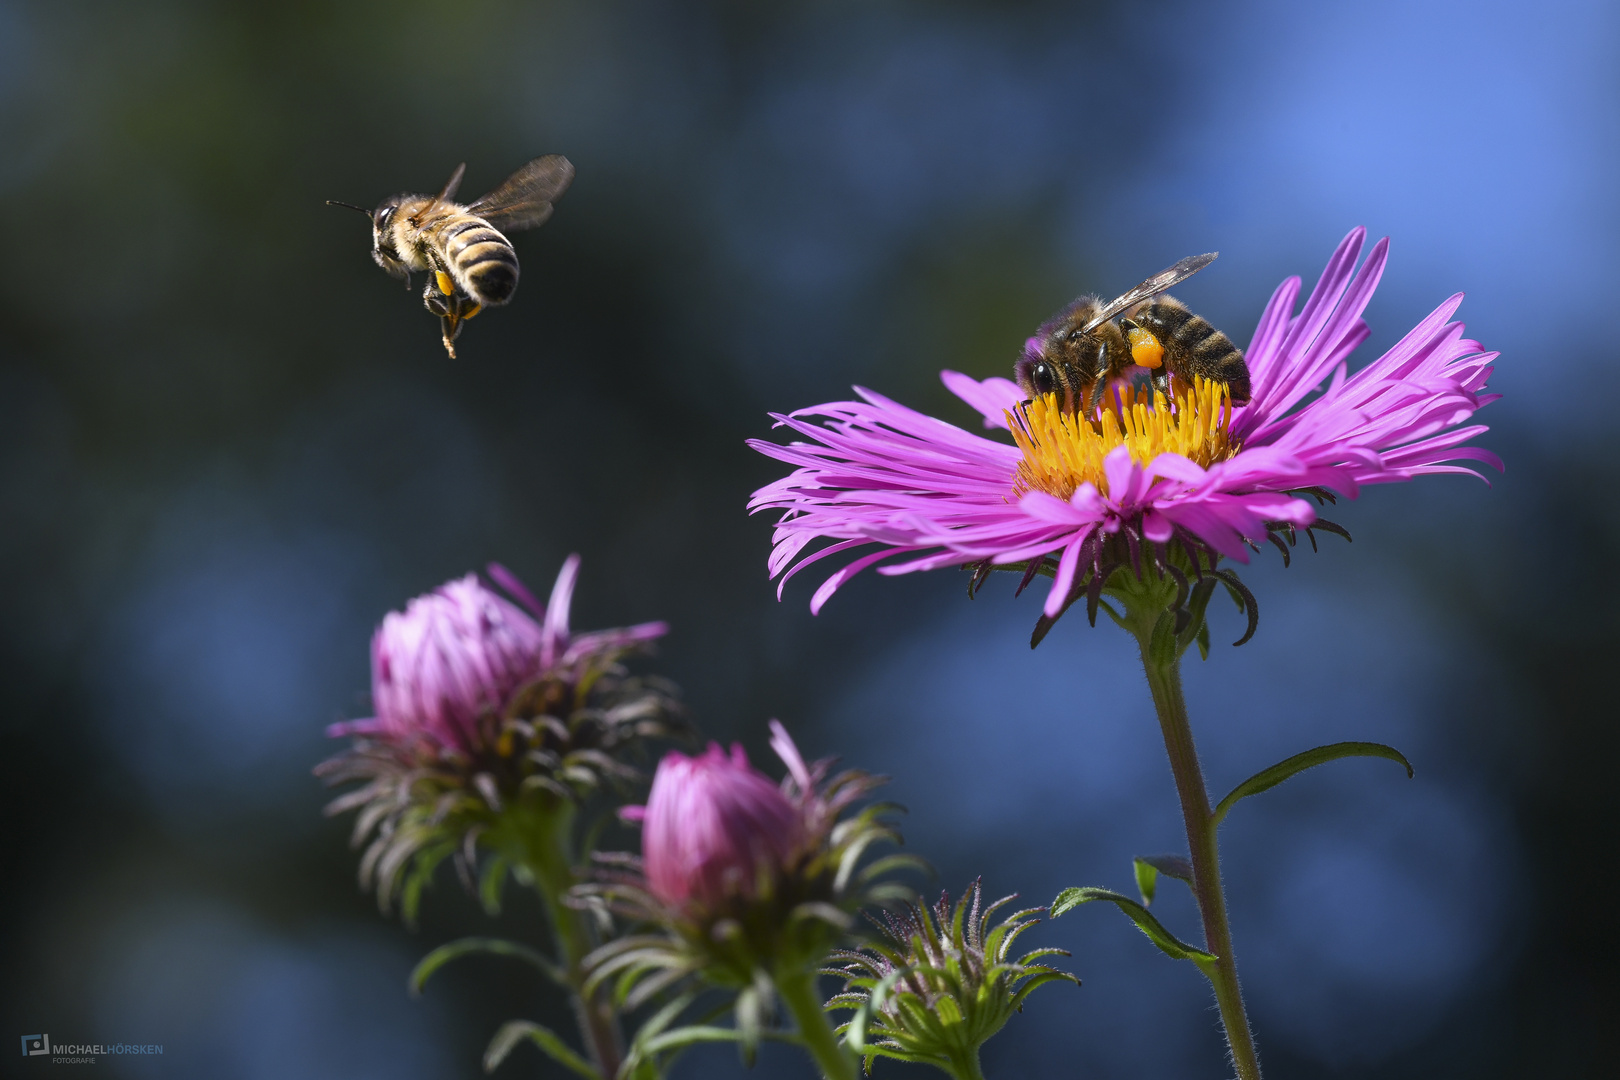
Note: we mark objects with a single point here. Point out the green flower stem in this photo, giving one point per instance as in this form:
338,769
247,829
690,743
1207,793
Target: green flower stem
800,995
1161,659
540,839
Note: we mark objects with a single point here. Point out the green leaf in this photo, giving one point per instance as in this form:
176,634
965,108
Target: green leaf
1149,867
682,1037
515,1031
1266,779
1168,943
1202,638
441,956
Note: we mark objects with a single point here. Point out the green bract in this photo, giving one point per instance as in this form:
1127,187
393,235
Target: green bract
560,738
942,985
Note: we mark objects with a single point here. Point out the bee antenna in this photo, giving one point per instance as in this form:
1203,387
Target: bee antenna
350,205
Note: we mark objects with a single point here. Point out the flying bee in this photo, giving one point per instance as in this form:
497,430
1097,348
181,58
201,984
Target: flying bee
463,248
1077,352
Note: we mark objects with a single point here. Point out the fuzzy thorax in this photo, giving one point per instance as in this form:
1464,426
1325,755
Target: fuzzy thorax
1063,450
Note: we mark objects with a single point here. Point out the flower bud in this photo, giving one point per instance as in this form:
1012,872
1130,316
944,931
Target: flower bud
943,983
489,718
449,661
716,829
750,882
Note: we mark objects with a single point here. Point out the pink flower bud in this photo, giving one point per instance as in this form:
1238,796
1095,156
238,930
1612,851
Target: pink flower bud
714,827
452,657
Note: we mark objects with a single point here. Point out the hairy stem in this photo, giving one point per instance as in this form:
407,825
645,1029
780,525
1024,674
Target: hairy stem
544,847
800,995
1161,659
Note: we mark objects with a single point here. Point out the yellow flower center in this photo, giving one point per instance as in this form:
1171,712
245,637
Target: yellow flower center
1064,450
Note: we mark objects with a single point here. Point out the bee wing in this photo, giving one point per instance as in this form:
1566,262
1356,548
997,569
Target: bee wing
1153,286
524,200
445,194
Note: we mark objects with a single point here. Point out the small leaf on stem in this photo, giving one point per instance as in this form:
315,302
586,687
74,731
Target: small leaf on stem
1168,943
1266,779
1149,867
515,1031
441,956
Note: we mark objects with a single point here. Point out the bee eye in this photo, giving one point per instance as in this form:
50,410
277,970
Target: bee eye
384,216
1044,379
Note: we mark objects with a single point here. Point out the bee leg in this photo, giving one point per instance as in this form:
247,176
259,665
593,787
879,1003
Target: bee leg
1098,385
435,301
448,331
470,312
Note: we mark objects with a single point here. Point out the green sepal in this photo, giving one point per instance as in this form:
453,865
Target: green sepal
1168,943
1038,980
1149,867
637,1057
490,883
420,875
441,956
515,1031
855,1031
1163,648
1243,598
750,1010
1197,628
1266,779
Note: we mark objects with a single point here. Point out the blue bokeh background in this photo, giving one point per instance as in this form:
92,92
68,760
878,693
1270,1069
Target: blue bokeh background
228,446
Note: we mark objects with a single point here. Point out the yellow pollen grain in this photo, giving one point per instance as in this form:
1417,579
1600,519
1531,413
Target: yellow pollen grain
1062,450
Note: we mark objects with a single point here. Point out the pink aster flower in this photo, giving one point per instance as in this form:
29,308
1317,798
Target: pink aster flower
454,658
1197,470
714,827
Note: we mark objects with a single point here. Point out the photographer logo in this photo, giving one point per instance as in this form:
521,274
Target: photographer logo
82,1053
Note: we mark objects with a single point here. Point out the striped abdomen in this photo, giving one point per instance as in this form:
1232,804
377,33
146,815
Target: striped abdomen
1193,347
479,258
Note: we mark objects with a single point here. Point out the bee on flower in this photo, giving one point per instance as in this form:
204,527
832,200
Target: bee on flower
1172,478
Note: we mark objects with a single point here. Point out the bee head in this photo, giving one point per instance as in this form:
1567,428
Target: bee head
382,238
1035,372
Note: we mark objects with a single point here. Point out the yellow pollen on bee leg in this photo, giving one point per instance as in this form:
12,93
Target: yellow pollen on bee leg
446,286
469,314
1145,348
1063,450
